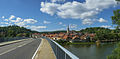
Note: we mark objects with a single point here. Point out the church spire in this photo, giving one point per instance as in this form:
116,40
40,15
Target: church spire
68,29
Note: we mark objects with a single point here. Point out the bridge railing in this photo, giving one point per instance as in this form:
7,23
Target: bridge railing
11,39
61,52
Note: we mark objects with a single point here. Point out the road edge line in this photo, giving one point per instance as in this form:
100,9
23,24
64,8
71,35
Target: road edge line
13,49
11,42
37,49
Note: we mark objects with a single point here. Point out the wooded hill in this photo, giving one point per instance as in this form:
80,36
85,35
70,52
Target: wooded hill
15,31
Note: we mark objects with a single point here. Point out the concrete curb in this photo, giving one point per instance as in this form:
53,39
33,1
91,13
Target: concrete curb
11,42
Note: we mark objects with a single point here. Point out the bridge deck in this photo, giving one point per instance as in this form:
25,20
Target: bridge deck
45,51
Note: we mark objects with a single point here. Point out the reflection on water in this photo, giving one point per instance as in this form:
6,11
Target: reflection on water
91,51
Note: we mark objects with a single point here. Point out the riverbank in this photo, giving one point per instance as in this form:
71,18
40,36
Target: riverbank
90,42
69,43
84,43
91,51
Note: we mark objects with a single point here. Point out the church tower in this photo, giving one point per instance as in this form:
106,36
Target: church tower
68,30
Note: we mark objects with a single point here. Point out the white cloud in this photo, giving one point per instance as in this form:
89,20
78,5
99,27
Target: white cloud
87,21
22,24
102,20
6,20
50,8
60,23
31,21
4,23
106,26
13,20
57,0
64,25
73,26
3,17
11,17
37,28
77,10
18,21
46,22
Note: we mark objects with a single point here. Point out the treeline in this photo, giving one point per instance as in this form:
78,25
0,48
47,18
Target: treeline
103,33
15,31
95,30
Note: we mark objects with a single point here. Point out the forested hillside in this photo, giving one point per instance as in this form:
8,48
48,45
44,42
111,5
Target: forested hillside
95,30
15,31
103,33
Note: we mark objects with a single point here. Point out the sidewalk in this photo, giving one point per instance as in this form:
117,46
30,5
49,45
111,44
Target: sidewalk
45,51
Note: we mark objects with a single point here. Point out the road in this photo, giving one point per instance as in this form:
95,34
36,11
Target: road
21,50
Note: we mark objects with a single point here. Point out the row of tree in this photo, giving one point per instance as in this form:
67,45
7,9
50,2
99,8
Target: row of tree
103,33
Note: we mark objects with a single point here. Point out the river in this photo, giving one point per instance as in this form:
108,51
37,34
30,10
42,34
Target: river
91,51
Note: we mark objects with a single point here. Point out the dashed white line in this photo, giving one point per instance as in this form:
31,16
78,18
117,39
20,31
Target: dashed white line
7,51
14,48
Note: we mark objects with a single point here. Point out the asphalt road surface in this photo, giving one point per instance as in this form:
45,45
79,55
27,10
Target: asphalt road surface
20,50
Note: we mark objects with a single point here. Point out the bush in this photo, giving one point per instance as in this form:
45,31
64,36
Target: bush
115,54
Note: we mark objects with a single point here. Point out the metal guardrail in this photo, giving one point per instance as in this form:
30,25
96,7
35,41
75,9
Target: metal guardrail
61,52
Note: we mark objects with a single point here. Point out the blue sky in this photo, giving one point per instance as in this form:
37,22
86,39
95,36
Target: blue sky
51,15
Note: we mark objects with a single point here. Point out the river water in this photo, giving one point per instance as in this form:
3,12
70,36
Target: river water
91,51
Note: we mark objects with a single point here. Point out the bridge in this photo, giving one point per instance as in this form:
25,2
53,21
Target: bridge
34,48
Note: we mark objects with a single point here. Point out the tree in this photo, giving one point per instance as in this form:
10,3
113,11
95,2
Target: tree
13,31
115,54
116,18
118,1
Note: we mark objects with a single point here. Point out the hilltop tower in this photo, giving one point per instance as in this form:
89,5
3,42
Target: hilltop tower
68,30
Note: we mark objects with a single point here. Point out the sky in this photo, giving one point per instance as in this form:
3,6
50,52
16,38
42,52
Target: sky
52,15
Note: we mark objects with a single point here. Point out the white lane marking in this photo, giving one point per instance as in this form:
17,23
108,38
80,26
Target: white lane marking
7,51
22,45
37,49
14,48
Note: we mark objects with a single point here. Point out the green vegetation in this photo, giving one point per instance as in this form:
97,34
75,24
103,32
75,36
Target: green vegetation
61,42
115,53
103,33
84,43
95,30
14,31
9,32
116,18
117,0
